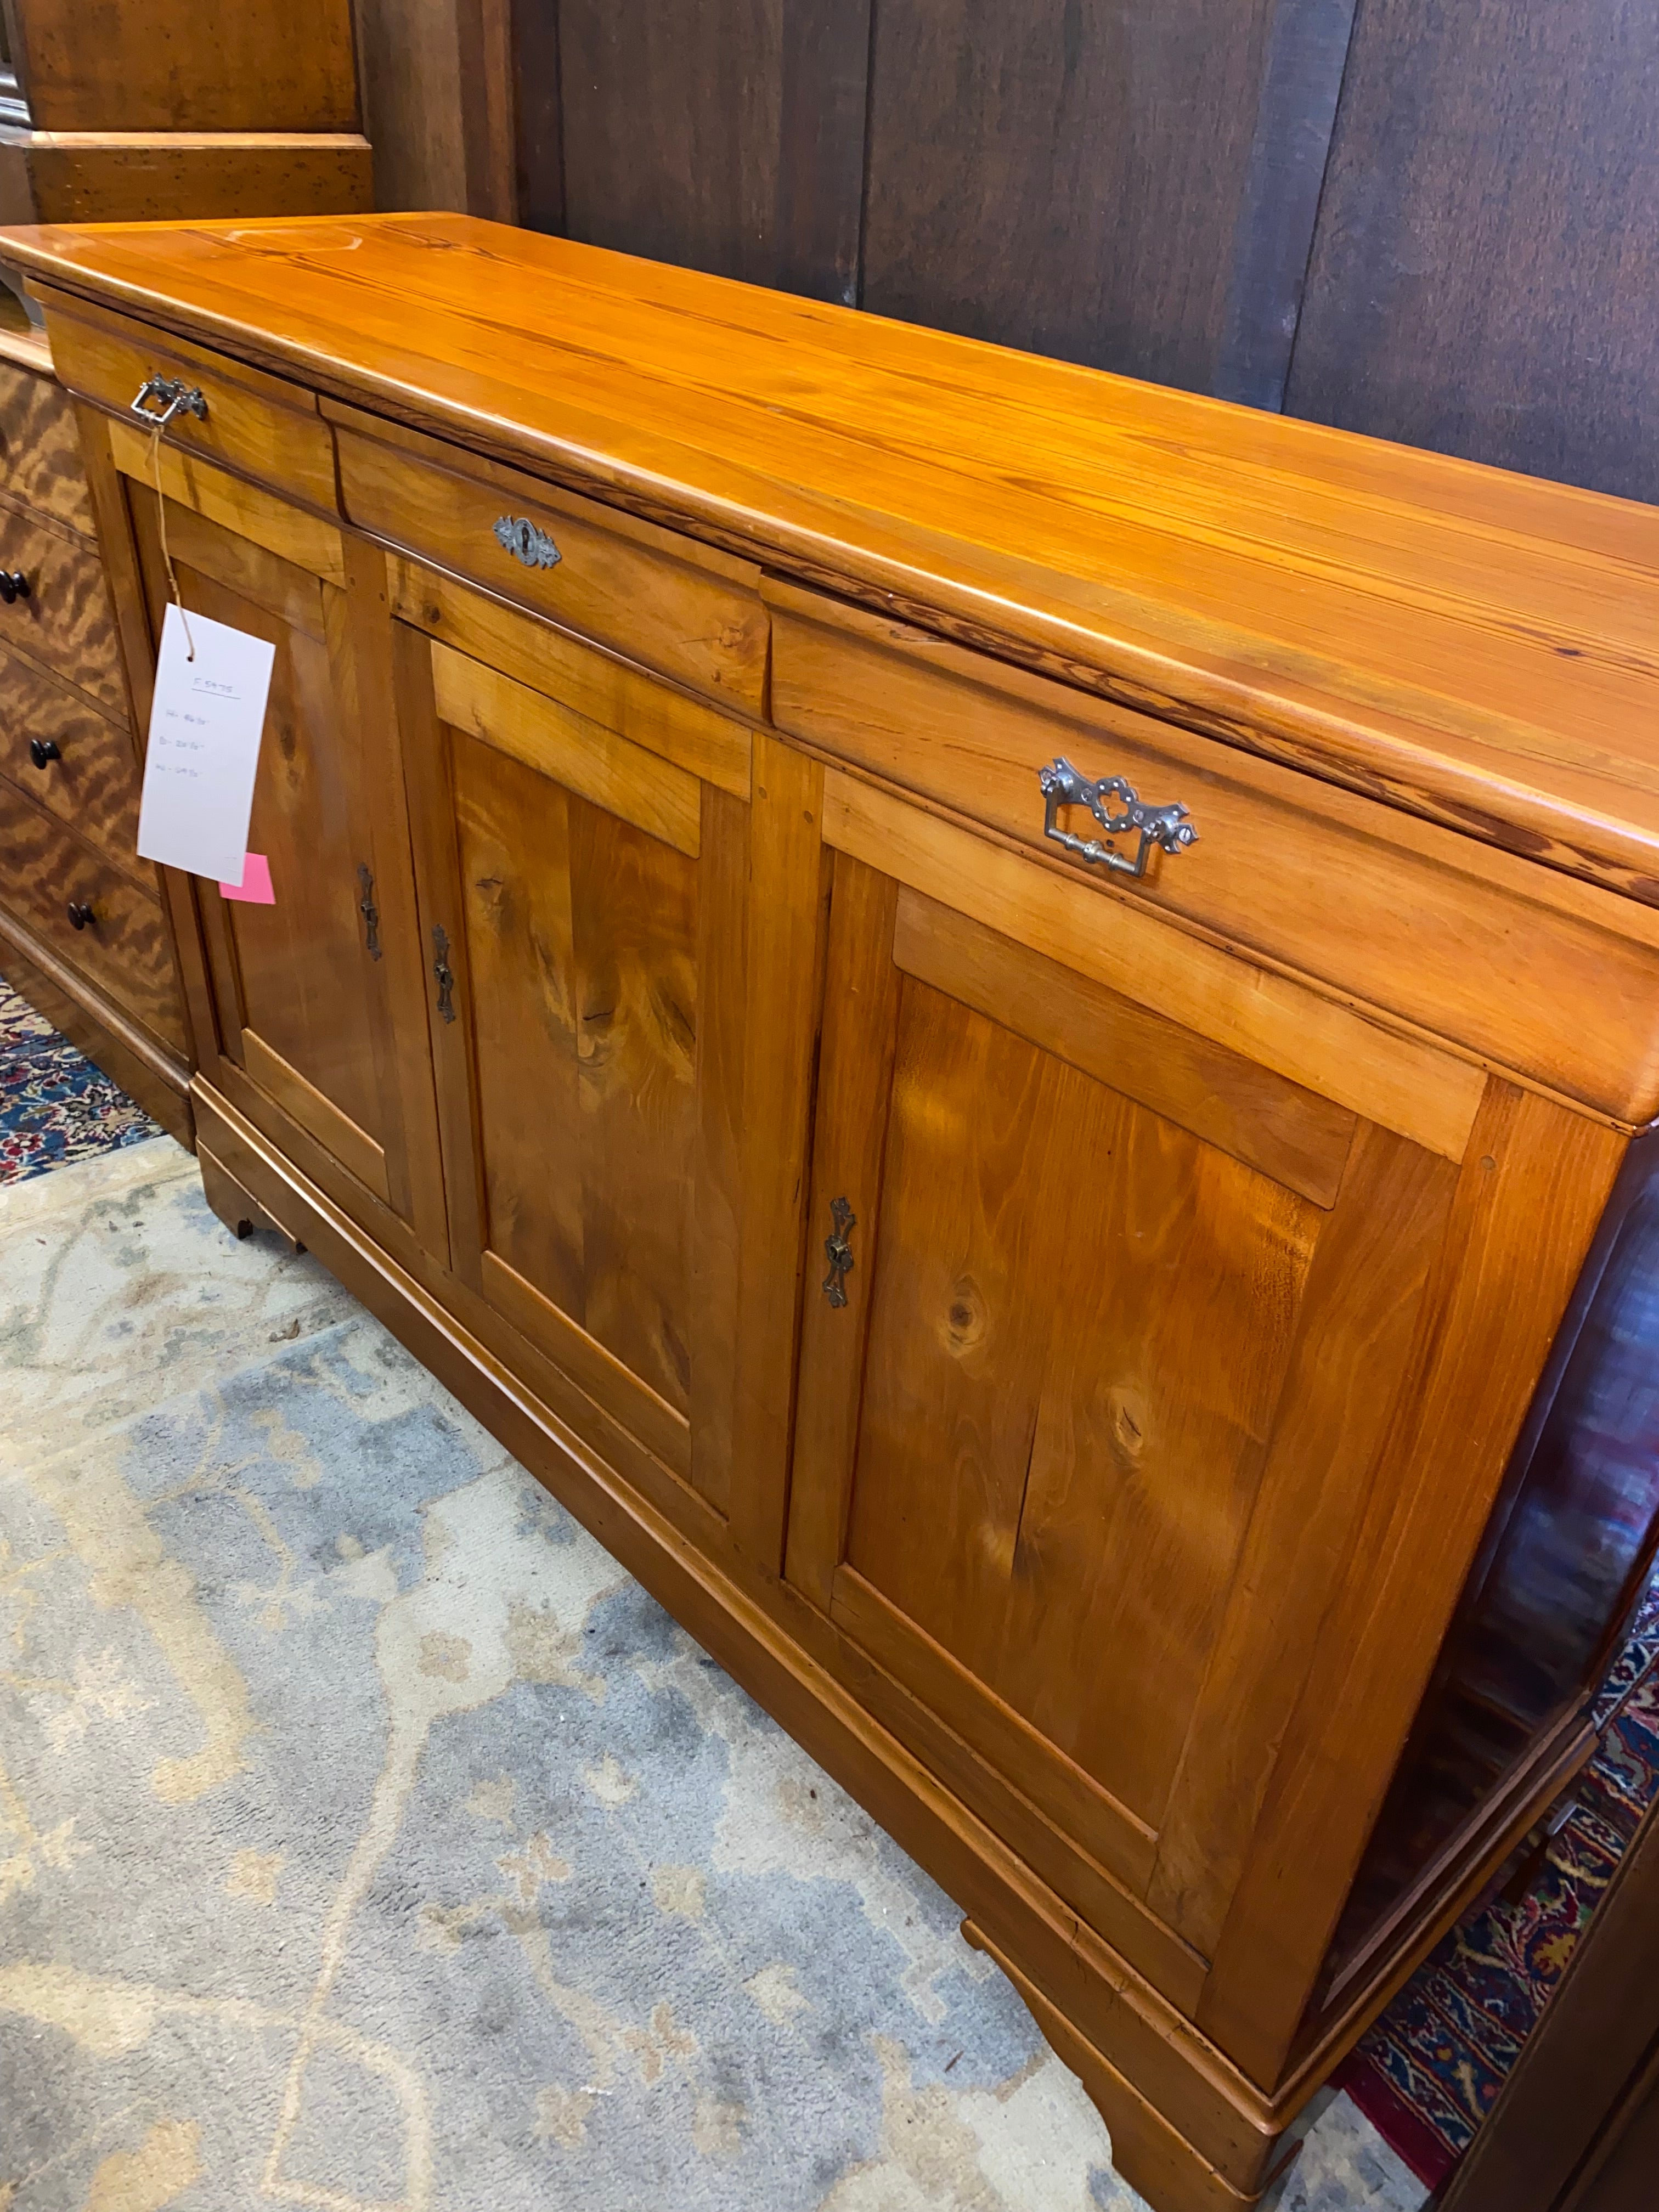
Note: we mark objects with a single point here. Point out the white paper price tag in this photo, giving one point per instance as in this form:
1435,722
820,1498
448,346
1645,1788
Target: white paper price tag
204,730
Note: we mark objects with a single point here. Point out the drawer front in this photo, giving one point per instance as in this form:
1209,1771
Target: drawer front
66,619
1475,946
83,770
122,946
40,448
254,423
609,578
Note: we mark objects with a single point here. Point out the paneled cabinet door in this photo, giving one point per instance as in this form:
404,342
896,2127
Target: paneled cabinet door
582,851
1100,1346
305,988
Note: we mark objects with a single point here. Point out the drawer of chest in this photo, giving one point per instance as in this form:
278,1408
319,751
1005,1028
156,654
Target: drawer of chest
40,448
679,608
69,758
255,424
1471,945
55,606
96,919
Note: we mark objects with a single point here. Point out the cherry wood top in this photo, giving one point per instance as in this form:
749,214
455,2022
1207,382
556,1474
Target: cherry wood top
1479,647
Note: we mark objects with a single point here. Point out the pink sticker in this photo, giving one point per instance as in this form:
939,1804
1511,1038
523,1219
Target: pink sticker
255,886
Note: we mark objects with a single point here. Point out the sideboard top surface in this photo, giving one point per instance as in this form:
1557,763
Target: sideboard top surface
1479,647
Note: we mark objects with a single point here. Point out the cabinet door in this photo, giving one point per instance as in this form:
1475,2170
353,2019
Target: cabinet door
304,988
582,862
1081,1424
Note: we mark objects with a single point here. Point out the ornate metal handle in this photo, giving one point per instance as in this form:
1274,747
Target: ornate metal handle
369,911
838,1251
44,750
14,585
81,915
176,398
1166,827
444,973
531,547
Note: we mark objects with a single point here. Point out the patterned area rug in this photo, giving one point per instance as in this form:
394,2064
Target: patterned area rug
55,1106
370,1839
1429,2070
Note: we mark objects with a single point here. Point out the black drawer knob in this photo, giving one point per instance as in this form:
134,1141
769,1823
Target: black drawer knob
44,750
81,914
14,585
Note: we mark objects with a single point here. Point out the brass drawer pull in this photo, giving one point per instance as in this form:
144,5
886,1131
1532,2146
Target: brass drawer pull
14,585
176,398
531,547
82,915
1166,827
44,750
838,1251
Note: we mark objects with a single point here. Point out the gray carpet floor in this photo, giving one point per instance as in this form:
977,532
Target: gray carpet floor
369,1839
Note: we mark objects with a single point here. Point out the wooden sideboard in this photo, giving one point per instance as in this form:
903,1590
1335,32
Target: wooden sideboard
998,1018
84,933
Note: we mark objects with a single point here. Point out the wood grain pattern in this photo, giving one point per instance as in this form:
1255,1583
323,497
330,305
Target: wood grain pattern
1292,1136
93,783
668,611
1408,625
67,620
995,135
155,1075
1509,324
1471,945
254,425
241,508
1312,1040
124,951
580,942
336,1131
1527,1203
789,887
1354,1333
731,141
117,176
1071,1379
860,1032
612,692
40,448
621,777
717,1228
93,66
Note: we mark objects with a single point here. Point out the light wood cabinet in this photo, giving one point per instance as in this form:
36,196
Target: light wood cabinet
1046,1140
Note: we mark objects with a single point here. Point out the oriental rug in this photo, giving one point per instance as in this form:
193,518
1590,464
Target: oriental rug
55,1106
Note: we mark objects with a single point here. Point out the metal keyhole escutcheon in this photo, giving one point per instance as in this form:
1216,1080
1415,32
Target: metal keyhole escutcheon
369,911
443,973
838,1251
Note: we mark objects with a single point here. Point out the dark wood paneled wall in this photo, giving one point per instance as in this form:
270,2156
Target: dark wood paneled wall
1436,221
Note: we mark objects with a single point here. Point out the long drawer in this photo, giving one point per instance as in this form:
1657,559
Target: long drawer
1468,943
40,448
66,619
690,613
121,943
69,758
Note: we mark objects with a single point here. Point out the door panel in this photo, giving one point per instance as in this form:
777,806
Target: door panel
586,896
302,986
581,940
1070,1366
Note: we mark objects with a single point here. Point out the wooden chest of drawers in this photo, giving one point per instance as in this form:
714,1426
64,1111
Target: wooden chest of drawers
1025,1083
83,930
